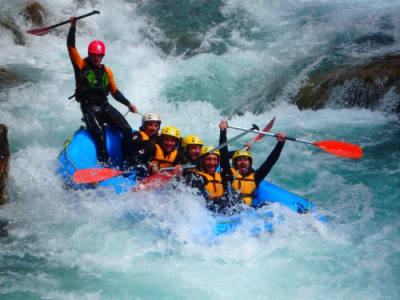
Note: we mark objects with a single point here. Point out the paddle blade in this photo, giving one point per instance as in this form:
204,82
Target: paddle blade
266,129
154,181
93,175
342,149
39,31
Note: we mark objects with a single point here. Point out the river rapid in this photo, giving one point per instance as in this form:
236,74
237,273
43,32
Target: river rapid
199,62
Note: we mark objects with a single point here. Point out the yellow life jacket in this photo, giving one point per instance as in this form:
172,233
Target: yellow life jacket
246,185
213,185
164,161
144,135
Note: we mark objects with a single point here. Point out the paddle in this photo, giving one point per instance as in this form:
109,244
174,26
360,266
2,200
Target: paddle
342,149
260,136
46,30
93,175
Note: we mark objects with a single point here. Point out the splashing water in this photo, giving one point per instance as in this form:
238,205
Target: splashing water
198,62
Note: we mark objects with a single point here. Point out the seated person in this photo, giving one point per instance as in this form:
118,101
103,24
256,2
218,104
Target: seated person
164,153
138,151
243,177
191,146
209,182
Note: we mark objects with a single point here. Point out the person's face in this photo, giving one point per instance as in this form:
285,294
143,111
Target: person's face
242,164
168,143
95,59
210,163
151,128
193,152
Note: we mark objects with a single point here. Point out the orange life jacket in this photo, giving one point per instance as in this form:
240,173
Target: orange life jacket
213,184
245,185
163,161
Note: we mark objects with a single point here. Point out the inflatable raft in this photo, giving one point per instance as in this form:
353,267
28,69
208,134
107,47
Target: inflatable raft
80,153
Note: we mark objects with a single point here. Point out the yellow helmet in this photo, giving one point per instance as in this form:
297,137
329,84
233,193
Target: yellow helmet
207,149
171,131
191,140
241,153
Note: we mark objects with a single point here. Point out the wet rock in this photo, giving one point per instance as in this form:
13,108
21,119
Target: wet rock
374,85
34,13
7,78
10,25
4,163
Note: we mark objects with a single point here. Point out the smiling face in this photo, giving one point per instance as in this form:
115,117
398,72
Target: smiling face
210,163
242,164
193,152
168,143
151,128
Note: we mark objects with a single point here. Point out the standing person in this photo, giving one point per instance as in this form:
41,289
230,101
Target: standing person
243,177
139,150
94,82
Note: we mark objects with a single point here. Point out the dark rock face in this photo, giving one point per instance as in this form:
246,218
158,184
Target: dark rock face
34,13
10,25
374,85
7,78
4,163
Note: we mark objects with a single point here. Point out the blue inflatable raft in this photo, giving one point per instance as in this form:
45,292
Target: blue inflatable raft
80,153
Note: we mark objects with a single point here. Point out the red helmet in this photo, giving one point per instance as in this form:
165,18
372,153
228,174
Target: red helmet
97,47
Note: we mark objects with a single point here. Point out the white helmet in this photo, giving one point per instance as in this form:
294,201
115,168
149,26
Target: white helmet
156,117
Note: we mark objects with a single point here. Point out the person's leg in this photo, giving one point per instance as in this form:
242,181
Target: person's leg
114,118
92,115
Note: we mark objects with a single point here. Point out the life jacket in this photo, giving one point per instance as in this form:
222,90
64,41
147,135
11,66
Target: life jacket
93,85
144,136
213,184
164,161
245,185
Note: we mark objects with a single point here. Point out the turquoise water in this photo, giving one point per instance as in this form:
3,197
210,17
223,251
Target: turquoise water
198,62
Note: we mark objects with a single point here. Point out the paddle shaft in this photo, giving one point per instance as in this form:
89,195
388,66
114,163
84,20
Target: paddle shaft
77,18
272,134
245,131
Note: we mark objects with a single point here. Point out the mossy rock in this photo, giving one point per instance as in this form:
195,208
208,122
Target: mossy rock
363,86
34,13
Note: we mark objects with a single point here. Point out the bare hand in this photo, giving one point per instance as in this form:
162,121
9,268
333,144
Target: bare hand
178,170
223,125
72,20
154,169
281,137
132,108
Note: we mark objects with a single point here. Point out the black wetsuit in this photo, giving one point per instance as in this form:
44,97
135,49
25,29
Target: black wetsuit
93,99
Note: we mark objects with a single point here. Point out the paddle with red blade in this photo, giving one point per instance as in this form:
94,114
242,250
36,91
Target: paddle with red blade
154,181
342,149
93,175
46,30
260,136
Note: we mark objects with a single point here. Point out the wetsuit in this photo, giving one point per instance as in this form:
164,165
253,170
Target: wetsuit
93,84
139,152
256,176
